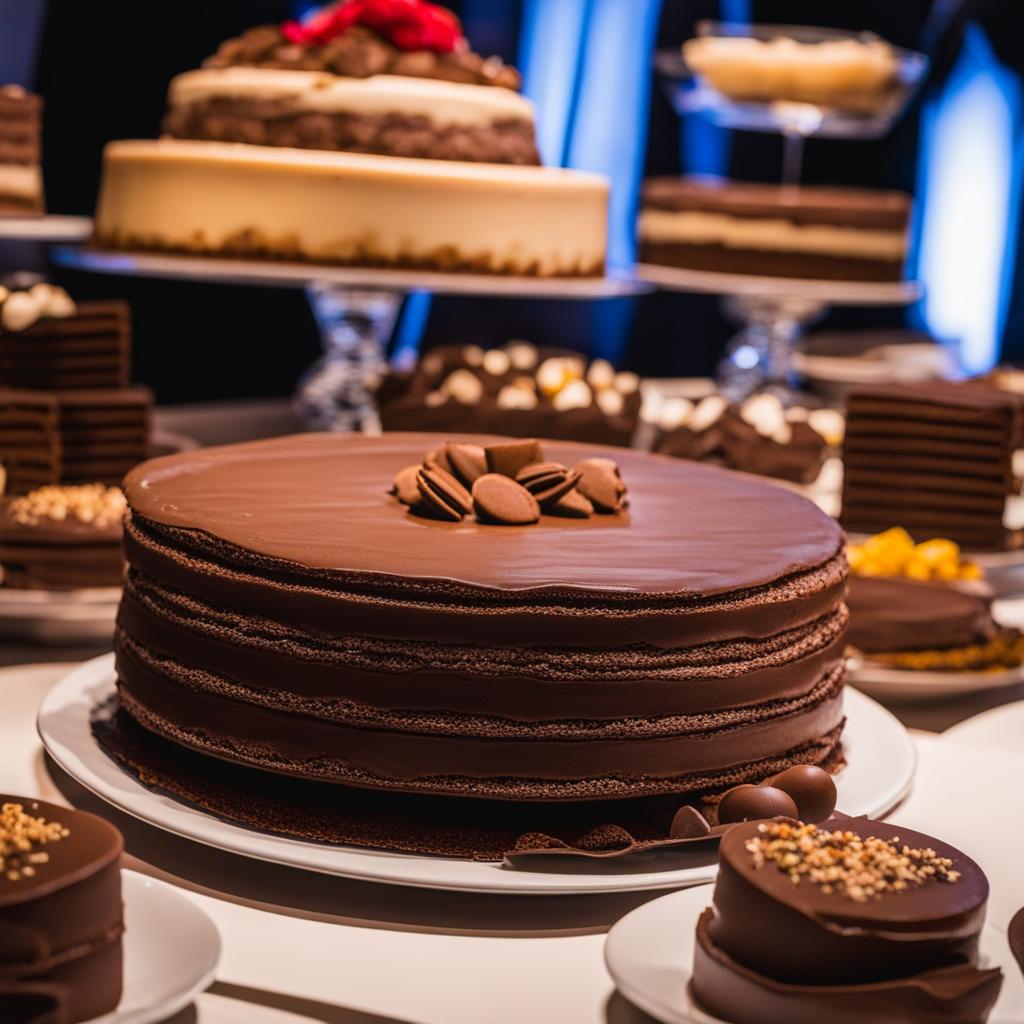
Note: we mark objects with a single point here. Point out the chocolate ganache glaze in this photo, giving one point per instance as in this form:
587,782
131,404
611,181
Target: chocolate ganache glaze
282,610
890,936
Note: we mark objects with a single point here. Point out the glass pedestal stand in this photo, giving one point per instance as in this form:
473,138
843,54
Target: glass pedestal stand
355,309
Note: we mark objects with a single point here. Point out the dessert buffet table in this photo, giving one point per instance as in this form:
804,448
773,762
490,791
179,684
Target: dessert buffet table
300,946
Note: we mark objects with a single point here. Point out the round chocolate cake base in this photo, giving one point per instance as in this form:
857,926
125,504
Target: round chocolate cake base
325,812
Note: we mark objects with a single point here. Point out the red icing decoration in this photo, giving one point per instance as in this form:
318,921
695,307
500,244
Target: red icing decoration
407,24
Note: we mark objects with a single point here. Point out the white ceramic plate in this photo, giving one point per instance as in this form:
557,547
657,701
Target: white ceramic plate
996,729
881,769
171,952
59,616
905,685
649,955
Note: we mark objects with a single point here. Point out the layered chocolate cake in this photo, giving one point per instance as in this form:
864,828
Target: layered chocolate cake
517,390
935,458
811,231
21,178
29,439
368,134
850,921
58,538
103,432
284,612
61,915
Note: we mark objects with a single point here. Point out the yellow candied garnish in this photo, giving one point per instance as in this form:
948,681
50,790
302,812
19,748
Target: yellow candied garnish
999,653
894,553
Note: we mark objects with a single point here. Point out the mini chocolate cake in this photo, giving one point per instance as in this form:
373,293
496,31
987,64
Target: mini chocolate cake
61,915
62,537
21,179
842,234
934,458
283,611
850,921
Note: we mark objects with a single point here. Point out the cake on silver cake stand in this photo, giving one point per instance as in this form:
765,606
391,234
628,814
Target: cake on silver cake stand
774,311
355,308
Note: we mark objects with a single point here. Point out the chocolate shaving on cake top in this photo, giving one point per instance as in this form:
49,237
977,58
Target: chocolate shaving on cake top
92,504
21,835
860,869
360,38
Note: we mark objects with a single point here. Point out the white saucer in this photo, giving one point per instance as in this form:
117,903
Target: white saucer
996,729
171,952
649,955
881,769
906,685
59,616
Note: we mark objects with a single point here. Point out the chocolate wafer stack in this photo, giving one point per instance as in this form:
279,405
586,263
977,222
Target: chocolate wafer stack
103,433
21,181
30,449
91,348
934,458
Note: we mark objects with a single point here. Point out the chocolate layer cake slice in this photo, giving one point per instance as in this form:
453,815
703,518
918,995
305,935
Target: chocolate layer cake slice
21,180
61,915
29,439
850,921
104,432
90,348
934,458
715,224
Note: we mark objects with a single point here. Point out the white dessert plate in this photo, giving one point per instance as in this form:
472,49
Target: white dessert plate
996,729
59,616
880,772
649,954
906,685
48,227
171,952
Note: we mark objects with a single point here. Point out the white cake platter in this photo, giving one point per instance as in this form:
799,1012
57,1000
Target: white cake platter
753,286
47,227
171,952
998,729
58,617
297,275
649,954
880,773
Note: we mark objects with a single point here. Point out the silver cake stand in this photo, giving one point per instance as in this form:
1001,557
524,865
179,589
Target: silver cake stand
355,308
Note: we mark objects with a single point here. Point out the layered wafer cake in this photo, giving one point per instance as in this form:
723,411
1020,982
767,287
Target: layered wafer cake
61,915
21,178
704,223
935,458
614,624
29,439
104,432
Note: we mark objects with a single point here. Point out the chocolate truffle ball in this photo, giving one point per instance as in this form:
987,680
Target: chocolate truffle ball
812,788
748,803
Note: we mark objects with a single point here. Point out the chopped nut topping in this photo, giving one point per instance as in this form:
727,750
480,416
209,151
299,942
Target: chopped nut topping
20,835
88,503
843,862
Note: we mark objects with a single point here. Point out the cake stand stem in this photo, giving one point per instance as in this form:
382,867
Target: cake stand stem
337,391
760,357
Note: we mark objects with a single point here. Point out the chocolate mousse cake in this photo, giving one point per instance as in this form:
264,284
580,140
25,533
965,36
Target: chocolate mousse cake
935,458
21,178
61,915
368,134
849,921
677,632
57,538
810,231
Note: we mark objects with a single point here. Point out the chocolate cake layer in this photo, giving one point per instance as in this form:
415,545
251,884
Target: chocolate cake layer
29,439
283,611
104,432
61,922
262,122
89,349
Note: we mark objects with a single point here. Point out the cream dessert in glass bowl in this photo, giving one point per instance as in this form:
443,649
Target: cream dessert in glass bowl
369,134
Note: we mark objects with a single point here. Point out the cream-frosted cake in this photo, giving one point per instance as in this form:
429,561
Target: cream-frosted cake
367,135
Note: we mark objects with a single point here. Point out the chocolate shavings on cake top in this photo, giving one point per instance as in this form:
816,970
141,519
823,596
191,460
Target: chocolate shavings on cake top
20,835
843,862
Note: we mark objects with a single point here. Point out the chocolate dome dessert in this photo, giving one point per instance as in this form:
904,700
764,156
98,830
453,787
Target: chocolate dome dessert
849,921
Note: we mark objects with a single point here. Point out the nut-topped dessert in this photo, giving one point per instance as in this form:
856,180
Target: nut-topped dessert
851,920
502,625
61,916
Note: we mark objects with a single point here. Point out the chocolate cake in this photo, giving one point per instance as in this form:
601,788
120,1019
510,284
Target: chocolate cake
934,458
29,439
104,432
61,915
810,231
21,179
62,537
282,611
849,921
